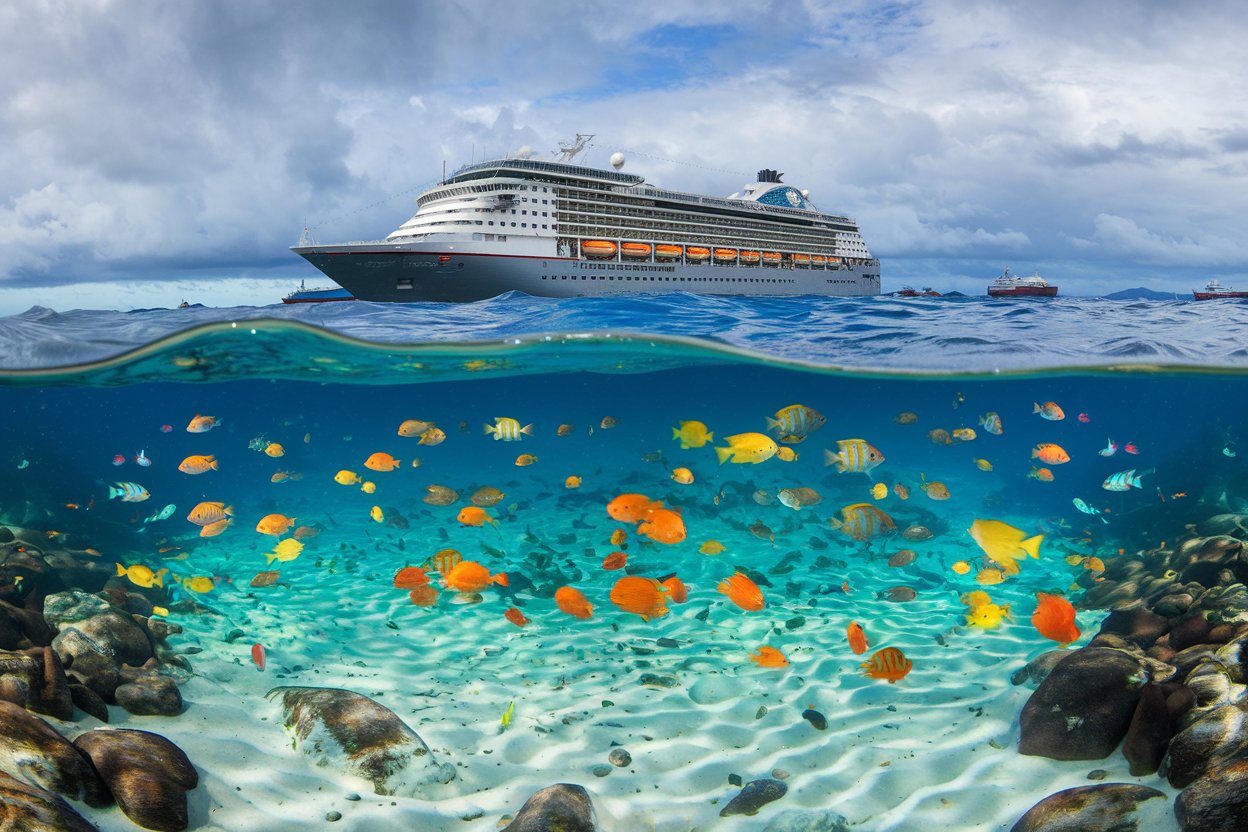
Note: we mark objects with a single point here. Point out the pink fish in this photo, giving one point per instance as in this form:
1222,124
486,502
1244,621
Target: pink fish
1110,449
119,459
166,428
257,655
1085,418
1131,448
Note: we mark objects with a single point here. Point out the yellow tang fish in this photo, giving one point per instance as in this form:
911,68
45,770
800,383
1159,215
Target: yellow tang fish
987,616
377,515
285,551
879,491
692,434
160,611
711,547
750,448
682,475
961,567
572,482
347,478
1004,543
989,576
786,454
368,487
143,576
199,583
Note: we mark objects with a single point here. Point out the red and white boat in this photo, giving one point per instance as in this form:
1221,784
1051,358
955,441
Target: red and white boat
1214,290
1010,286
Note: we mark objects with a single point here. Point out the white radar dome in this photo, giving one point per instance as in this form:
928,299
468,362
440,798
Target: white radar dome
617,160
805,193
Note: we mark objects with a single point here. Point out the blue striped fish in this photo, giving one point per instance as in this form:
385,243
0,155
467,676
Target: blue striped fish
507,429
129,492
854,455
795,422
1123,481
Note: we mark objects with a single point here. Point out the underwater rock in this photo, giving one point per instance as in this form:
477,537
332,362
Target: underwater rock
808,820
563,807
148,775
1189,630
816,719
1223,524
1212,687
1136,625
150,695
655,680
1218,736
362,737
30,809
1149,732
22,629
88,661
755,795
1174,604
89,702
710,690
1082,710
1226,604
1038,669
1217,802
35,679
916,534
128,641
619,757
32,750
68,607
1107,806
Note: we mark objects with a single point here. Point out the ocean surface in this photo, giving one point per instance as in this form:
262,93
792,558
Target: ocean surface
1107,427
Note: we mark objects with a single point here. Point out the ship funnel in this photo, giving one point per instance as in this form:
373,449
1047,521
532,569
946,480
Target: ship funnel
769,175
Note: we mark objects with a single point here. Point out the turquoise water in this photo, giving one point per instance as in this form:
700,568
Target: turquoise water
331,402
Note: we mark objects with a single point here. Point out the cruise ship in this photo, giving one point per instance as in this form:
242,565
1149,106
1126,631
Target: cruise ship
1012,286
558,229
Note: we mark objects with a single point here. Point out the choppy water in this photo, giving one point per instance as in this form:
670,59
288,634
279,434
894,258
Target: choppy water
332,383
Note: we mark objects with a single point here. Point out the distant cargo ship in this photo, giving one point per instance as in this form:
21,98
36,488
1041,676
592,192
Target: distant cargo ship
1010,286
1214,290
557,229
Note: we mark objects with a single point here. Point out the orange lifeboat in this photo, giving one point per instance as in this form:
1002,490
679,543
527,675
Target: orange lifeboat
832,261
697,253
749,257
598,248
635,249
726,254
771,257
666,252
801,259
818,260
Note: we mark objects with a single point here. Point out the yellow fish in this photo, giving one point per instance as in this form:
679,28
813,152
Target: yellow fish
682,475
140,575
786,454
347,478
750,448
987,616
711,547
572,482
368,487
863,521
377,515
983,465
853,455
988,577
285,551
795,422
160,611
879,491
692,434
199,583
507,714
964,434
1004,543
961,568
274,450
507,429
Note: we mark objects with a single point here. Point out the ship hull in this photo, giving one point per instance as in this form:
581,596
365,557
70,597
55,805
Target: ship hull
450,276
318,296
1024,292
1218,295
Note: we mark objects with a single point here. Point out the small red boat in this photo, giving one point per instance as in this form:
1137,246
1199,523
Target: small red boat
1215,290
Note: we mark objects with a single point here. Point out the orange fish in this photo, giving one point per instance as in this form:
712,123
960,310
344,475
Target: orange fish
618,537
202,424
572,482
676,589
381,462
424,596
769,657
525,460
265,578
214,529
515,617
470,576
934,490
258,656
889,663
641,596
410,577
198,464
413,427
1054,618
663,526
474,516
206,513
743,592
857,638
573,602
901,491
275,524
1042,474
632,508
615,560
444,560
1050,454
306,532
280,476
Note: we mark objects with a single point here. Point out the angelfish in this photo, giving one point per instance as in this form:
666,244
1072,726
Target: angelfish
164,514
1087,509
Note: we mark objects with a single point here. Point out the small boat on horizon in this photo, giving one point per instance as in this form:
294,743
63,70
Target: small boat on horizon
911,292
1215,291
320,294
1011,286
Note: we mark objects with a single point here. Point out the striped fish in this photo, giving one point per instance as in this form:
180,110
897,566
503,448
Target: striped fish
445,560
889,663
1123,481
854,455
863,521
129,492
507,429
795,422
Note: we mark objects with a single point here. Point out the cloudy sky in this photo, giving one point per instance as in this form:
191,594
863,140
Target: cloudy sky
160,150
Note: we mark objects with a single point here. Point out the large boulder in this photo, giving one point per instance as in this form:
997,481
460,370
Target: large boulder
147,774
1114,807
563,807
1217,802
351,732
33,751
1149,732
1081,711
1218,737
35,679
27,808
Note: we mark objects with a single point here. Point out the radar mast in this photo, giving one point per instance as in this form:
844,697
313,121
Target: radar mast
569,152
